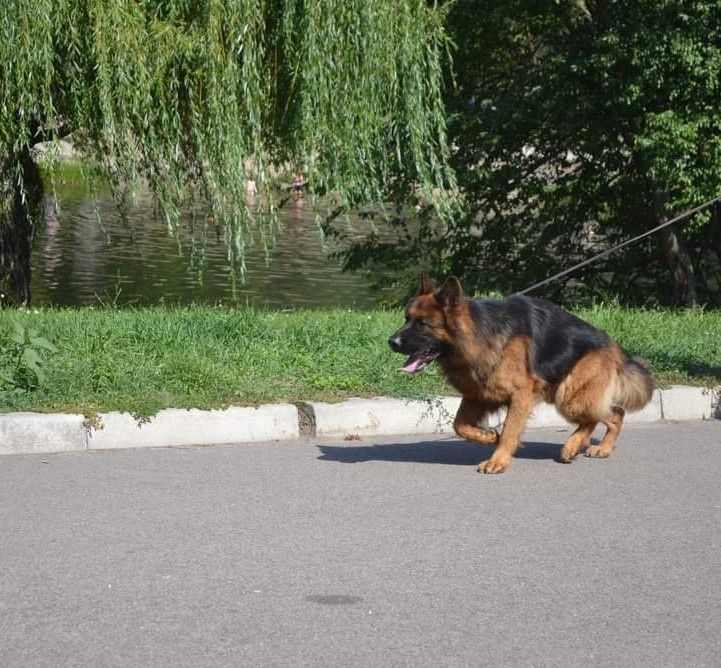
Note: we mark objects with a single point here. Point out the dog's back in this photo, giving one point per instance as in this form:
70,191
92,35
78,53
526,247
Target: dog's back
558,339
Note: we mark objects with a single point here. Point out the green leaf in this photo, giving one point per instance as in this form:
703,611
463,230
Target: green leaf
31,359
18,335
40,342
7,378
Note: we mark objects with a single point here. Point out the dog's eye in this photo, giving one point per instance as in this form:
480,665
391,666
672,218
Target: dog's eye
430,325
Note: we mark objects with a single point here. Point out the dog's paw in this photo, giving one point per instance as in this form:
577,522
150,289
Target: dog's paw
597,452
494,465
567,457
488,436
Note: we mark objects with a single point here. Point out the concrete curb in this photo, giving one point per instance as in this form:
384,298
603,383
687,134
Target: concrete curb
195,427
365,417
28,433
683,402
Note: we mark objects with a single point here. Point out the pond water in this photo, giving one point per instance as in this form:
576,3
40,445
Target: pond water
79,261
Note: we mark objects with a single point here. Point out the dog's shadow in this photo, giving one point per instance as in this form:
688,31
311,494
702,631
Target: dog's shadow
452,452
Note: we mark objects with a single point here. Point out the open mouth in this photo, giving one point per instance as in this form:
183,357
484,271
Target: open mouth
418,360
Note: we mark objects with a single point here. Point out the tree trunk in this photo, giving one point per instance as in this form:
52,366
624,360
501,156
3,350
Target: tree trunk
677,258
681,266
22,204
715,229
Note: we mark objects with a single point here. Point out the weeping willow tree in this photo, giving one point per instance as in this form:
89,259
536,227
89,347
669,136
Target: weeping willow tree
194,97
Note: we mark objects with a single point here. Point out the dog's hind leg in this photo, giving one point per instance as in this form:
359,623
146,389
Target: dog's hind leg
613,423
576,441
585,398
467,423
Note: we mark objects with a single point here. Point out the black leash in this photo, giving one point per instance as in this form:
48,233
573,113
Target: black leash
685,214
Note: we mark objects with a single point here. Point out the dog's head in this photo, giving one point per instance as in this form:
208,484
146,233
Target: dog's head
426,336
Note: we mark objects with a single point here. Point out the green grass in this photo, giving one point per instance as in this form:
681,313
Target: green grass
147,359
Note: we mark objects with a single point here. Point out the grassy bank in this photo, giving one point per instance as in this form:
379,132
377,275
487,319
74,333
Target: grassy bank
144,360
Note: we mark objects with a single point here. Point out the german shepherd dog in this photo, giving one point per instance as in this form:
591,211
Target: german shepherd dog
516,352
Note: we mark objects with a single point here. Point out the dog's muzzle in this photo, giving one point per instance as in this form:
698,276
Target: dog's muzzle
395,343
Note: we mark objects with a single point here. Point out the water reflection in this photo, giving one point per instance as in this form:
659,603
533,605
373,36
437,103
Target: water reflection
135,259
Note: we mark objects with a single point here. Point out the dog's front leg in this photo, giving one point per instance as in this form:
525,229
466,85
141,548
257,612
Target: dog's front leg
519,409
467,423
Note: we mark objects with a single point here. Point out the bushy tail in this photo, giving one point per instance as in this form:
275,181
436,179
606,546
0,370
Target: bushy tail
634,384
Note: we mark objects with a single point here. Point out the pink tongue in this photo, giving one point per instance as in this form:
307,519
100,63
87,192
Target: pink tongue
412,366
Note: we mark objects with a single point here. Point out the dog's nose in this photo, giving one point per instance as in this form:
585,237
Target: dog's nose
395,343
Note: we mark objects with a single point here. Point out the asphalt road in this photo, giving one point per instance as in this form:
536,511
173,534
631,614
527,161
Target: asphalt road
385,552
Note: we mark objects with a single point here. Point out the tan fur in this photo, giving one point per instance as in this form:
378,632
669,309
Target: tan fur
613,428
470,414
633,390
579,439
586,394
508,382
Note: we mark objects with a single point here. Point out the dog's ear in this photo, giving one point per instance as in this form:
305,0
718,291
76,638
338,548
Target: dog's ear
451,292
427,284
